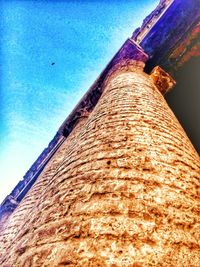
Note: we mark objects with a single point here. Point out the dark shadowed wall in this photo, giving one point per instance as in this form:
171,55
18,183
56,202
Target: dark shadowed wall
184,99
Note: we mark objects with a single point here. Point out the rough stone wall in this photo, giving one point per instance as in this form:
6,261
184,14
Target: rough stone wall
16,221
125,195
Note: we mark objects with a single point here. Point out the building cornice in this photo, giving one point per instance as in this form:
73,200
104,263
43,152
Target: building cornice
170,35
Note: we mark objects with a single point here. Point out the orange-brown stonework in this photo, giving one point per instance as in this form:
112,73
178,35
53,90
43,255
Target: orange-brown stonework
19,216
162,80
124,193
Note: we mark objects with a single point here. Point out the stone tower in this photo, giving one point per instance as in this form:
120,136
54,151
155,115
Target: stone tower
118,185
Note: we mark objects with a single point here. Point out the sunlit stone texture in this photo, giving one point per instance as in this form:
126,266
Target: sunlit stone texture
126,191
162,80
16,221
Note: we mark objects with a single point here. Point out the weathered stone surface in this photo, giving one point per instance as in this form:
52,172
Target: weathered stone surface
126,193
15,222
10,203
9,206
188,48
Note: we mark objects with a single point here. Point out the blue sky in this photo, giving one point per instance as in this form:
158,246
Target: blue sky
80,37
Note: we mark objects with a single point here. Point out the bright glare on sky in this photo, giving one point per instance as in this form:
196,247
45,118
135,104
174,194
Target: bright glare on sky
80,37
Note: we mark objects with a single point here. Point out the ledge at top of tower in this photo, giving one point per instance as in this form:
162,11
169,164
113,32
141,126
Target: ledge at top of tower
162,80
